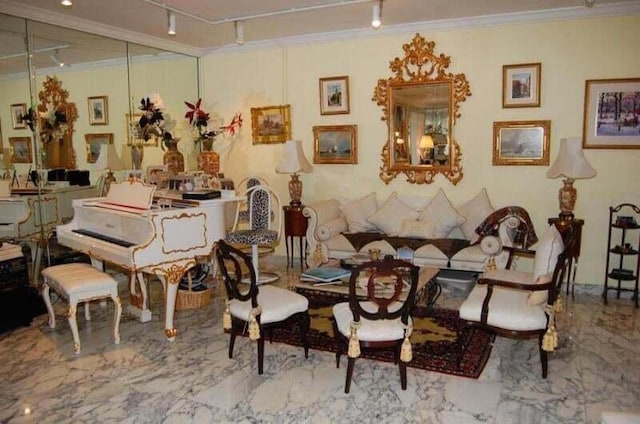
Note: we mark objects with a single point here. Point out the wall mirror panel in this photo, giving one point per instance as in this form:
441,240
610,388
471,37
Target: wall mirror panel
420,104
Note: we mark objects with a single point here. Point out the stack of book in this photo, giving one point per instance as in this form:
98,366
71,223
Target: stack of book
324,275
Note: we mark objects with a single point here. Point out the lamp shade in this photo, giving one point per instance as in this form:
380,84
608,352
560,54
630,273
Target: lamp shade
571,162
426,142
293,159
109,159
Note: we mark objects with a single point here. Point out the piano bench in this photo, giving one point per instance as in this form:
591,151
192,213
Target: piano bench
77,283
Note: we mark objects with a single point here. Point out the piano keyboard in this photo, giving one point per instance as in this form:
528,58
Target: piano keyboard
102,237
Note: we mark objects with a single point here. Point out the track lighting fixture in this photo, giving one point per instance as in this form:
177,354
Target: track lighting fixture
66,3
376,21
239,27
55,58
171,23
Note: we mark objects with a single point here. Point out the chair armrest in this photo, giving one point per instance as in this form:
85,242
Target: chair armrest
513,285
319,213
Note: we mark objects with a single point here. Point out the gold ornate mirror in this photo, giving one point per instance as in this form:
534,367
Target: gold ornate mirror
420,104
56,117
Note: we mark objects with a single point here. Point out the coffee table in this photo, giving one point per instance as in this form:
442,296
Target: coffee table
428,288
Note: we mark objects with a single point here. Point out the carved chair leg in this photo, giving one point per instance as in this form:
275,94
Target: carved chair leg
463,341
350,366
304,322
260,354
232,337
403,375
543,357
338,342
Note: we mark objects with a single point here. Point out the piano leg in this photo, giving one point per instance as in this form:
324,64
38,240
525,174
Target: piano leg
139,302
170,286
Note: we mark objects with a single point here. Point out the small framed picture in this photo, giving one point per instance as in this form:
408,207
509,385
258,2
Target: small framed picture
335,144
271,124
521,142
334,95
611,114
94,143
20,149
98,110
134,132
154,174
521,85
17,111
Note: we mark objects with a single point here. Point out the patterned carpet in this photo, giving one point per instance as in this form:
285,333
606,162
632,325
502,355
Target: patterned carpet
434,338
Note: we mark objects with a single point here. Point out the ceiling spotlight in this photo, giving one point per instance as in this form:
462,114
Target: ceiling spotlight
376,21
171,23
239,27
55,58
66,3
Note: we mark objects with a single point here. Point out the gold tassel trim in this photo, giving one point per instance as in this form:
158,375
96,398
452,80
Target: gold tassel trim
550,338
557,306
354,343
254,328
406,352
226,316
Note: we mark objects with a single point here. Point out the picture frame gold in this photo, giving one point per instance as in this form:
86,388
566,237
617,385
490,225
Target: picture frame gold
133,132
98,107
521,85
94,142
271,124
335,144
610,119
521,142
20,149
334,95
17,111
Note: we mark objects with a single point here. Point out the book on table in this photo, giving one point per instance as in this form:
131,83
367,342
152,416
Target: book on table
325,274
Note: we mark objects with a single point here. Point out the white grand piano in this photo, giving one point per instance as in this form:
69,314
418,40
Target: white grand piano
29,218
127,229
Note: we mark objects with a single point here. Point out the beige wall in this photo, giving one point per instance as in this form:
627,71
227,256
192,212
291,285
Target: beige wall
570,52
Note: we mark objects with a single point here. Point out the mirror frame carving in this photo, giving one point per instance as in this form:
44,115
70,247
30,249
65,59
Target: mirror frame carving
421,65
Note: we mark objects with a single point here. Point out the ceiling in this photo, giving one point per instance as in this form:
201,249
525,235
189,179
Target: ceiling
204,27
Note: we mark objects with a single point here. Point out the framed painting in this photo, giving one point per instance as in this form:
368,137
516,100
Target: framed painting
17,110
611,114
98,110
271,124
134,135
20,149
521,85
336,144
334,95
94,143
521,142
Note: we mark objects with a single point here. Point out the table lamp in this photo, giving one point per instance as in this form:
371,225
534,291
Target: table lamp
426,144
572,165
294,161
108,159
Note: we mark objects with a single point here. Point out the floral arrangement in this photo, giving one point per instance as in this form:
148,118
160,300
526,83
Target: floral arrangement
199,119
152,121
53,122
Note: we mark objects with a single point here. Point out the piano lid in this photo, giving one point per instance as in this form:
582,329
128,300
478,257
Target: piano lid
131,194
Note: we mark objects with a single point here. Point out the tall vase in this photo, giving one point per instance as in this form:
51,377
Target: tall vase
173,158
137,154
208,160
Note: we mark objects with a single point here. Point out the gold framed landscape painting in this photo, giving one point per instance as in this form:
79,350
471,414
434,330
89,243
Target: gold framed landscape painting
94,143
271,124
17,110
611,114
98,110
521,142
20,149
334,95
335,144
521,85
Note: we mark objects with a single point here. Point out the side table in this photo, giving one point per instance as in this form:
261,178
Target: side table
295,225
563,226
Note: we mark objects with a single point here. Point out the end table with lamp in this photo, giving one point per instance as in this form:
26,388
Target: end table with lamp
295,225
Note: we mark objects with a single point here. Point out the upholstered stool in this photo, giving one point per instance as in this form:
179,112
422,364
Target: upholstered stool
80,282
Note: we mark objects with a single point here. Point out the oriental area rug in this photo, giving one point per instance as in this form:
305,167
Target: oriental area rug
434,339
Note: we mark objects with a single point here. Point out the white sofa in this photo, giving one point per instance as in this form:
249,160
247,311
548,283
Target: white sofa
333,224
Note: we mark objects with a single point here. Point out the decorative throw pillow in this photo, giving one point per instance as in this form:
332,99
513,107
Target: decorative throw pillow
475,211
417,229
544,262
388,218
357,212
442,214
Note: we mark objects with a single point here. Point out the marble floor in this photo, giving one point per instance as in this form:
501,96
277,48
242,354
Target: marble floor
146,379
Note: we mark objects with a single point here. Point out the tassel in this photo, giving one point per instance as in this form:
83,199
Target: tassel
406,353
354,343
491,264
254,328
550,338
226,316
557,307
